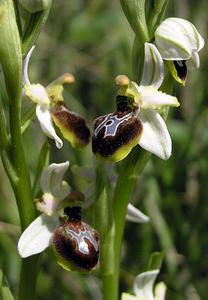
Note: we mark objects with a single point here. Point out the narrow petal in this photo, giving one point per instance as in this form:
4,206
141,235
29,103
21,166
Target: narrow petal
193,62
135,215
52,180
153,73
154,99
155,137
143,285
25,77
44,116
37,236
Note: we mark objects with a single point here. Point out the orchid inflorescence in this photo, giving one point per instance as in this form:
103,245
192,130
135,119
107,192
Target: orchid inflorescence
137,120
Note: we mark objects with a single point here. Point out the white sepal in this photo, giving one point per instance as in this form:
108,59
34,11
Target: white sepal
160,291
37,236
44,116
154,99
25,77
177,39
155,136
143,285
153,72
135,215
52,180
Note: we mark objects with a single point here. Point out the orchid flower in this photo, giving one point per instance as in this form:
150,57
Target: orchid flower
38,235
179,43
143,288
75,243
50,107
137,119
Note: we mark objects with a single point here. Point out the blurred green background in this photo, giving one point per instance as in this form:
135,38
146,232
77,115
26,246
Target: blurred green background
93,40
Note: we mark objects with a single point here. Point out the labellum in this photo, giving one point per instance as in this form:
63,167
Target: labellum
75,243
181,69
72,126
117,133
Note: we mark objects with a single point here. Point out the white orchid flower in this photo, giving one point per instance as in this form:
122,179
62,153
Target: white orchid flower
179,41
38,94
38,235
143,288
155,137
50,108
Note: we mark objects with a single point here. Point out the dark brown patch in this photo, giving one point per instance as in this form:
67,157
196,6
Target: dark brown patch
126,133
181,68
72,122
124,103
67,245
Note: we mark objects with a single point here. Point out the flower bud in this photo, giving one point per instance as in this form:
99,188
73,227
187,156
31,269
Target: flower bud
178,39
117,133
34,6
72,126
75,243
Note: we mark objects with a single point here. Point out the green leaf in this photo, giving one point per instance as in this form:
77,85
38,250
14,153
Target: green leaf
5,293
155,261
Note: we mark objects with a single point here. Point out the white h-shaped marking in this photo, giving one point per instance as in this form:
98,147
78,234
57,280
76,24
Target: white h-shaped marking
111,124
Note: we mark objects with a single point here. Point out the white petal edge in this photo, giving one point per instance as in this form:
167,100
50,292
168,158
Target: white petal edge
155,137
37,236
153,72
52,180
194,38
135,215
143,285
160,291
26,61
193,62
154,99
44,116
125,296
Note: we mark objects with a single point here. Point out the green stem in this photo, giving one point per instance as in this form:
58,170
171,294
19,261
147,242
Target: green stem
28,278
131,167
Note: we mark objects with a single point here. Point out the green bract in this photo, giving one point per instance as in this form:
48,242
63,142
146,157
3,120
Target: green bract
33,6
